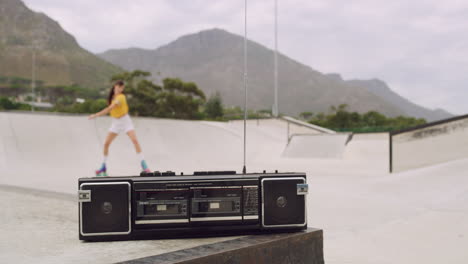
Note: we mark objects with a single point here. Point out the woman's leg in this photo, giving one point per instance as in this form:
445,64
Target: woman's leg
110,137
102,171
132,135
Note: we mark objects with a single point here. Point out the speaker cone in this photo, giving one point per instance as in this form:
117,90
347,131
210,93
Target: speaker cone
282,206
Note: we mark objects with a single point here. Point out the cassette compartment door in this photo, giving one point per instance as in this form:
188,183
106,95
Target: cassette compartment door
216,203
161,206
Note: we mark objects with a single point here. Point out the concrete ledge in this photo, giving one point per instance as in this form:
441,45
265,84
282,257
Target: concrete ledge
277,248
430,144
321,146
305,124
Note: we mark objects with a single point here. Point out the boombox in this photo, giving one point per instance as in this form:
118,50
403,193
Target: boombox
162,205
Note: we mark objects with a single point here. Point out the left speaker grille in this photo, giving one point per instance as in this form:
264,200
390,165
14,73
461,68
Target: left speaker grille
108,212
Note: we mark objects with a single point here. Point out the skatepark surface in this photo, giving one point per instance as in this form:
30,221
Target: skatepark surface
368,215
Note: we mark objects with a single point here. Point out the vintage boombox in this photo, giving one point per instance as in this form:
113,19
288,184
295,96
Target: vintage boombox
160,205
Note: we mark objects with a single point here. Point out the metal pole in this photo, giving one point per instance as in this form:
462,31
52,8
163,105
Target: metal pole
244,170
275,107
33,79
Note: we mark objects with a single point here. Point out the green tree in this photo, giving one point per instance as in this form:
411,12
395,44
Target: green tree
214,107
342,120
174,99
93,106
306,115
6,104
180,99
374,119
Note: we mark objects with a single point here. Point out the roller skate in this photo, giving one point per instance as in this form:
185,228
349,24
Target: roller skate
102,172
144,167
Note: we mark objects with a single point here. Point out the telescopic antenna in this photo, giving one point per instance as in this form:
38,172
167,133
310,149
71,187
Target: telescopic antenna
275,105
33,79
244,170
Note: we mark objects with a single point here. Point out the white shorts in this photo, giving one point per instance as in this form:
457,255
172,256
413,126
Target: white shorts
122,124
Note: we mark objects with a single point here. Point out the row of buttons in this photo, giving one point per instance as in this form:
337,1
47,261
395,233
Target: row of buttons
196,173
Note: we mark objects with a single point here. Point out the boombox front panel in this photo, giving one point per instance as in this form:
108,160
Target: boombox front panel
283,203
150,207
107,210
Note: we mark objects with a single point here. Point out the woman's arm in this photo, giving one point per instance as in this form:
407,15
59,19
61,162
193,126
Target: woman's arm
104,111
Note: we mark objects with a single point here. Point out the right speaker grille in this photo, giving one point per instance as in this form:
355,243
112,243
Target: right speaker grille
281,204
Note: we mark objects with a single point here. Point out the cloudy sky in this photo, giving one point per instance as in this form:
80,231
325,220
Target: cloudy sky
419,47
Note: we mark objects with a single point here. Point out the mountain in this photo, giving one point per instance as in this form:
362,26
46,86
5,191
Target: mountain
59,58
382,90
214,60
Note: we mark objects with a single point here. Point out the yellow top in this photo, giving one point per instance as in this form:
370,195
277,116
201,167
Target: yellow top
122,107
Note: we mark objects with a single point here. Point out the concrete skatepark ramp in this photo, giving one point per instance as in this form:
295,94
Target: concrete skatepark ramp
331,146
367,214
430,144
48,146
